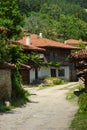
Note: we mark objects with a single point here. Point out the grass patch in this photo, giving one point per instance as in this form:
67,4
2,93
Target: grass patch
70,95
4,108
79,122
80,119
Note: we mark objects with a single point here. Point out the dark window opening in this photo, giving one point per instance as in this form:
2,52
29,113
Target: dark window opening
61,72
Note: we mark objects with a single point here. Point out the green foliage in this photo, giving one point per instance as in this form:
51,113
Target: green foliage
80,119
17,54
79,122
53,10
4,52
81,45
54,17
34,58
82,3
53,64
38,22
58,81
19,95
83,102
54,80
70,95
4,108
10,17
72,27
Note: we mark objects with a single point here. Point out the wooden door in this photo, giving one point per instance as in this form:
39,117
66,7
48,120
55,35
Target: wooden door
25,74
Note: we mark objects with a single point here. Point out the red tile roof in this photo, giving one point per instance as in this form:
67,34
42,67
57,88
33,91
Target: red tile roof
44,42
73,42
28,47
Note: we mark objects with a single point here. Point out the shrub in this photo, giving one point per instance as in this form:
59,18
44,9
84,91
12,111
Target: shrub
54,80
57,81
82,102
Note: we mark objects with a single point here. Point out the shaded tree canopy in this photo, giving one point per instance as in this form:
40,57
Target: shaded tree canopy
72,27
80,60
10,17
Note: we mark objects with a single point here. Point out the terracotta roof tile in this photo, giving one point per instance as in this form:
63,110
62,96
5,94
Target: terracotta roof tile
28,47
44,42
73,41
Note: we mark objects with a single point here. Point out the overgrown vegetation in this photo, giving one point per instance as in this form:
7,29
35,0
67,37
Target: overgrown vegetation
4,108
50,82
70,95
19,95
80,119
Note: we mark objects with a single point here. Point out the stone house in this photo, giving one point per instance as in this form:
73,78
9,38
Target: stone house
49,51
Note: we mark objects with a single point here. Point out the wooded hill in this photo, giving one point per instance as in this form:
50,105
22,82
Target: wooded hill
56,19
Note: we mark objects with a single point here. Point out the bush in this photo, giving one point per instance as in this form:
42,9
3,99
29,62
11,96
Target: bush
82,102
54,80
57,81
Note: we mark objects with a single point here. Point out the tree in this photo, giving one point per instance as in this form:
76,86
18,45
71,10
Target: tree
38,22
79,59
53,10
72,27
10,17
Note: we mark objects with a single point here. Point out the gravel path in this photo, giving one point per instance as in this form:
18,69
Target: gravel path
48,110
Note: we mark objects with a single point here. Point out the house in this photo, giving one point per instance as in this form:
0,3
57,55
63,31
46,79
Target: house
53,52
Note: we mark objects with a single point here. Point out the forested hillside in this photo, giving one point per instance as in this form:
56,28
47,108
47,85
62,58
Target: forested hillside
56,19
82,3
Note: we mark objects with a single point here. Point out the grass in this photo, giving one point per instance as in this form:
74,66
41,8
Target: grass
79,122
71,96
14,103
4,108
80,119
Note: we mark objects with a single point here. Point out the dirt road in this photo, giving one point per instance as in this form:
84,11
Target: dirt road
48,110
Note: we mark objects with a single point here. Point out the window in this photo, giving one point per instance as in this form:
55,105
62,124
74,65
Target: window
61,72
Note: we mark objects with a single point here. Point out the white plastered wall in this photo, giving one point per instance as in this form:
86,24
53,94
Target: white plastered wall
32,75
43,72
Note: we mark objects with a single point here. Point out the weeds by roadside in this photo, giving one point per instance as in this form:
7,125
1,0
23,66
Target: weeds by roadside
80,119
71,96
51,82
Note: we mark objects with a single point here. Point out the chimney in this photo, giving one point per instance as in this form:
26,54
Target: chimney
40,35
27,40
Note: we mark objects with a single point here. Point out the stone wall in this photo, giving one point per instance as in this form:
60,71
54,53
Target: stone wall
5,84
